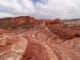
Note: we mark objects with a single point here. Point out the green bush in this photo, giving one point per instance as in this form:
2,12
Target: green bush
5,25
26,25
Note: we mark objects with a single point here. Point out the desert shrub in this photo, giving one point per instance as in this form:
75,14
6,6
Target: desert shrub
5,25
26,25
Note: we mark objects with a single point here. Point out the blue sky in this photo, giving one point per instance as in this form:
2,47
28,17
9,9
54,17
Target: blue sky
63,9
36,1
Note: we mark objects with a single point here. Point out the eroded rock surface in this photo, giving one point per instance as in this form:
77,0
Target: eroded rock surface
49,46
12,46
42,40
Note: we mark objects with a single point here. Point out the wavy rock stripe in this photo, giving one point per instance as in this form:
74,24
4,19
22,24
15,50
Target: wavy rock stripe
54,49
14,47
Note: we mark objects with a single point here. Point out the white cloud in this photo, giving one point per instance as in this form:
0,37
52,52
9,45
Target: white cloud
5,15
43,9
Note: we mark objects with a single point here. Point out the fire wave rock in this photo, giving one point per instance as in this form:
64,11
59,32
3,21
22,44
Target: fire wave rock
45,45
44,41
12,47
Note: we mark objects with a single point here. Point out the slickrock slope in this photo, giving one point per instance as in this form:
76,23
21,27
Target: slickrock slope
45,45
12,46
39,40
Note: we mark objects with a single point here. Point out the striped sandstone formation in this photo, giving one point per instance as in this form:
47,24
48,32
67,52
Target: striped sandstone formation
39,40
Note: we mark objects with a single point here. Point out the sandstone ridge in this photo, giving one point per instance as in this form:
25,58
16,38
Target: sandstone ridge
27,38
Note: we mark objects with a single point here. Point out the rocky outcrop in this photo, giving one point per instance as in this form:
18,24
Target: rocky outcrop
46,45
18,22
38,39
12,46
